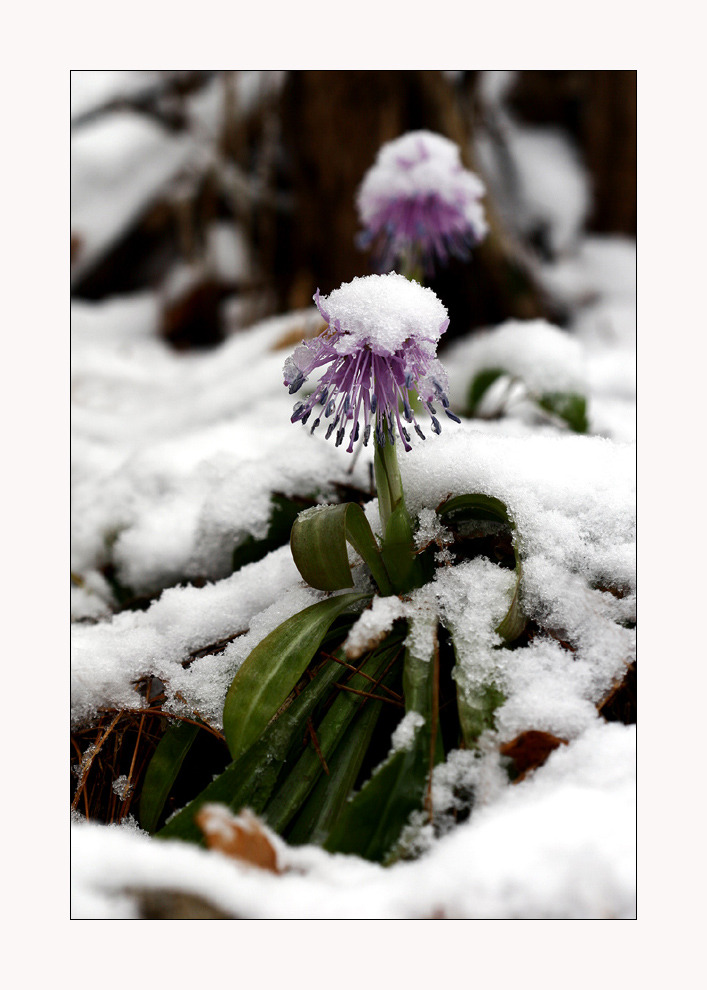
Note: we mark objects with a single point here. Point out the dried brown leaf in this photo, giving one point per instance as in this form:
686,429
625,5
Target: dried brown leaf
242,837
530,750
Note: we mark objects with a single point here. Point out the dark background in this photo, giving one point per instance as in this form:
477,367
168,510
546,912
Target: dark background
304,146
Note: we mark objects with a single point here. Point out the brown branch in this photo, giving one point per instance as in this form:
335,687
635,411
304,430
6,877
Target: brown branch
433,724
367,694
128,785
357,670
92,757
78,750
315,743
163,714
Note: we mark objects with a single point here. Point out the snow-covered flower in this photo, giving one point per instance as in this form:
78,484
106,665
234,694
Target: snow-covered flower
379,346
418,204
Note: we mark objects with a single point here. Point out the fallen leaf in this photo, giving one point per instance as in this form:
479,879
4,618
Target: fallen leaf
619,705
242,837
529,750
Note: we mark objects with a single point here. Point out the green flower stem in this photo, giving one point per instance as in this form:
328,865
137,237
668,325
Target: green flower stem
388,480
404,568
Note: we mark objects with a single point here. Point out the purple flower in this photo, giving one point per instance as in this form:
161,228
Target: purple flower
379,346
418,204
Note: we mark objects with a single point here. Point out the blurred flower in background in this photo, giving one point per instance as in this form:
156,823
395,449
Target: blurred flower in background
419,205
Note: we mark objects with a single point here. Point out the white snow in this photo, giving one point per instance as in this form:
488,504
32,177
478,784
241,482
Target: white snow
404,732
554,184
373,625
383,311
92,89
176,455
119,164
473,597
535,174
544,357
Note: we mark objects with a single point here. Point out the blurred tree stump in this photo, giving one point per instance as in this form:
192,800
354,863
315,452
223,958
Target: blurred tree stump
333,124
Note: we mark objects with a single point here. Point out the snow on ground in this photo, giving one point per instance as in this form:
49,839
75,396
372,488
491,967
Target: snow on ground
597,358
175,457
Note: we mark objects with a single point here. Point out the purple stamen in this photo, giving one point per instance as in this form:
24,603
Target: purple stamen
371,356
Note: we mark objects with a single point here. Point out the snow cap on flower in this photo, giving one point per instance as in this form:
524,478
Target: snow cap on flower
418,204
380,344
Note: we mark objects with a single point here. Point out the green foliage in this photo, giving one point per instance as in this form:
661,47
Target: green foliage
371,823
162,772
270,672
477,711
569,406
318,543
325,804
297,760
250,780
487,507
290,797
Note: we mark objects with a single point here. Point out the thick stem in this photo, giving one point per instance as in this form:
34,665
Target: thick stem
388,481
397,548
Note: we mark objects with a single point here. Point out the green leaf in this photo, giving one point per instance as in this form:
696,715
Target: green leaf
371,823
318,542
291,796
327,800
162,772
283,514
569,406
477,711
270,672
406,569
480,506
480,384
476,506
250,780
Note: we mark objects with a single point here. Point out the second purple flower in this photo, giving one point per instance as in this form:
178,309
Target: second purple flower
419,205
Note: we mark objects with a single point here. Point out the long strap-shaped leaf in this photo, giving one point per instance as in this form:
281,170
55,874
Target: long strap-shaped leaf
304,775
249,780
370,825
479,506
477,710
325,803
164,766
270,672
318,543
